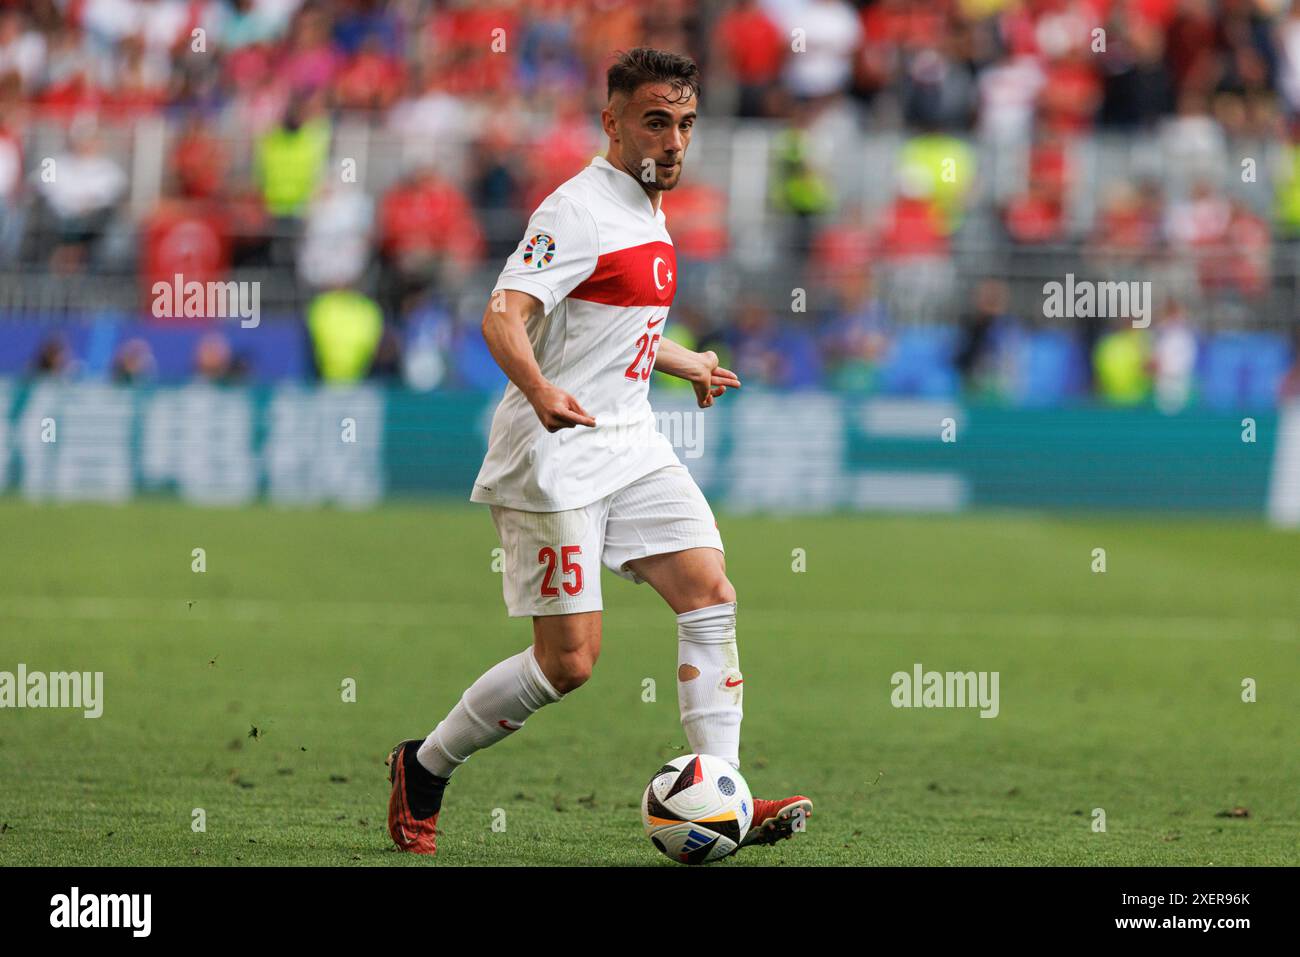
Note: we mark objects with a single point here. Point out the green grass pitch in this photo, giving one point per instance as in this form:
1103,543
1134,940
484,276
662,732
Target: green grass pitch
1120,691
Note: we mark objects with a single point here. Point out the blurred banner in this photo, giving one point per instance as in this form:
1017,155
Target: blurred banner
805,452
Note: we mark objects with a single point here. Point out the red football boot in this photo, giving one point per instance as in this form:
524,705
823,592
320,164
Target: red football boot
414,802
777,820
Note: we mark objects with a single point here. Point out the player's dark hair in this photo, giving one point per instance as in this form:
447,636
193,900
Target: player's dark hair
635,68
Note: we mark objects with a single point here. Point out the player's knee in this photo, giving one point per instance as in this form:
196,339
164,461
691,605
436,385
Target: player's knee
571,670
709,593
720,592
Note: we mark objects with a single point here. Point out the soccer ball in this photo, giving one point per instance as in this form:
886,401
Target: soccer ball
696,809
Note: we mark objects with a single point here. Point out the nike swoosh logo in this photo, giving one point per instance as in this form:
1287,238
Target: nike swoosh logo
651,325
733,682
508,726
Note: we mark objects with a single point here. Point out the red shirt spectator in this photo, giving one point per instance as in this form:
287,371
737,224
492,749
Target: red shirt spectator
1071,94
371,80
841,254
1038,214
903,24
199,163
696,215
751,42
1238,258
1049,163
248,67
425,215
845,246
913,228
462,41
559,153
1035,216
185,237
1129,224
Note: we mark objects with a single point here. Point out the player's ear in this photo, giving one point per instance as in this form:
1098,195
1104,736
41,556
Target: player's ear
610,115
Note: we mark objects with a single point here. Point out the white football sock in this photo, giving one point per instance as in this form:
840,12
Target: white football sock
709,682
494,706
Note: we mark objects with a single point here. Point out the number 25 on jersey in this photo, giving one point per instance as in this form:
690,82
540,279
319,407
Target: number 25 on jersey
638,369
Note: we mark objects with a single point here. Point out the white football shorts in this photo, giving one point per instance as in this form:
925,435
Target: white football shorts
552,559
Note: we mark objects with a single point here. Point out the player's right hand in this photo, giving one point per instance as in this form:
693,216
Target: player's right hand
558,410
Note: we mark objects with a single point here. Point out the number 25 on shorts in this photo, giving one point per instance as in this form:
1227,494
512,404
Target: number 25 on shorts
547,557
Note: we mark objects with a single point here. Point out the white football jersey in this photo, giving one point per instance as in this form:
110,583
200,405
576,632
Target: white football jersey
598,257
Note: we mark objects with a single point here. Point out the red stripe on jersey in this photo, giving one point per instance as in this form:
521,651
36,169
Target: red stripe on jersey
644,275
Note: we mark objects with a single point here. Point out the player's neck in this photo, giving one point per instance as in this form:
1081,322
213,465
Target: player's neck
653,195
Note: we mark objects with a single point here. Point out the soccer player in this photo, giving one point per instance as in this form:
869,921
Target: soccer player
576,474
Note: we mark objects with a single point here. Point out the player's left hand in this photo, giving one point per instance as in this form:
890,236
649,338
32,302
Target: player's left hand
710,381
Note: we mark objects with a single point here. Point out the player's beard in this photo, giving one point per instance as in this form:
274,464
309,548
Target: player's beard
665,183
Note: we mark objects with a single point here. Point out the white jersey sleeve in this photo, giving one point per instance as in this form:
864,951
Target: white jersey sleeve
559,250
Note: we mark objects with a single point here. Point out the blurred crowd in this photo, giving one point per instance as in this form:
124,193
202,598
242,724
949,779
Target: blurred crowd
515,87
1068,65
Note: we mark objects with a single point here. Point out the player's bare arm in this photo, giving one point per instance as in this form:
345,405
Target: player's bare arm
700,369
505,330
